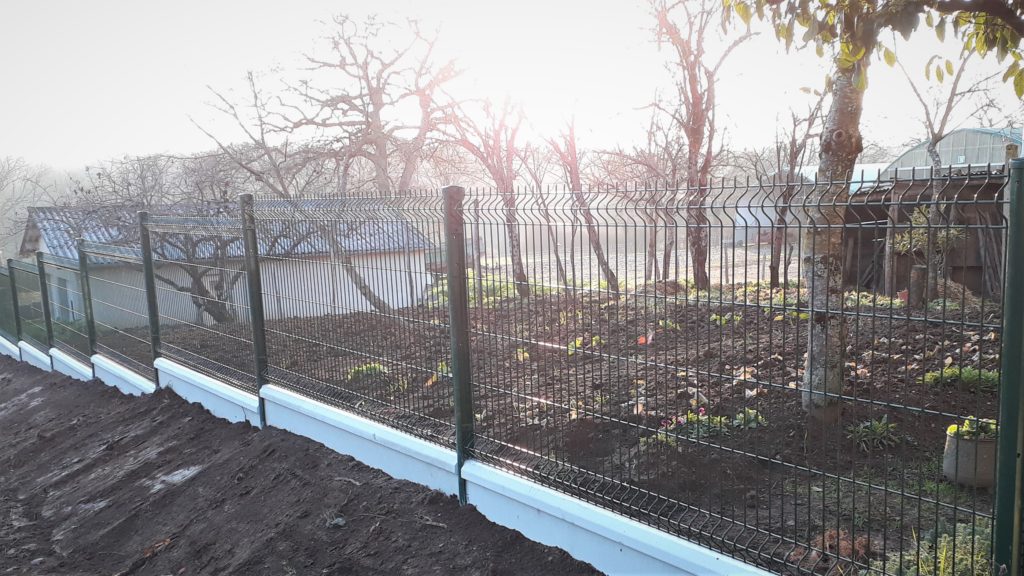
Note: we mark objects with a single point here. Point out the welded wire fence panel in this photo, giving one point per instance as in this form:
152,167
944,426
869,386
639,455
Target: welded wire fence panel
67,308
117,291
201,296
354,301
30,304
768,369
8,323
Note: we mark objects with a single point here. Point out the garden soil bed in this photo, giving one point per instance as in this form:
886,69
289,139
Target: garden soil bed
94,482
574,391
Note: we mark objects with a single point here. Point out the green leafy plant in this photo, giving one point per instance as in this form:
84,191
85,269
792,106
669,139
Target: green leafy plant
965,552
367,370
748,418
974,429
575,346
875,434
668,325
726,319
966,378
914,241
693,425
857,299
944,305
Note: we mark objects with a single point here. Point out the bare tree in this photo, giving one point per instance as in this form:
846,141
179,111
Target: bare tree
353,100
21,184
537,163
689,26
492,141
938,108
569,156
791,152
288,171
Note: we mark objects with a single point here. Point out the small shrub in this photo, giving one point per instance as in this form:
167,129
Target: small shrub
691,425
726,319
974,429
967,378
944,305
575,346
748,418
856,299
668,325
367,370
963,553
876,434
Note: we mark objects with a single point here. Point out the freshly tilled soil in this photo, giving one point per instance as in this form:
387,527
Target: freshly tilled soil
95,482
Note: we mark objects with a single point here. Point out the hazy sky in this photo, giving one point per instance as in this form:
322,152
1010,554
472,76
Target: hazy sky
84,81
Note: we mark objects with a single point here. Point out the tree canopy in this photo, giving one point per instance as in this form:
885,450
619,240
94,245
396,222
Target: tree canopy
854,27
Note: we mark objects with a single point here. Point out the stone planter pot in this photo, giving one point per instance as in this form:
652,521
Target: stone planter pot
970,462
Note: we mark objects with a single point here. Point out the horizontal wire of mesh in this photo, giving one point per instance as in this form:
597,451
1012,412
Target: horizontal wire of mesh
8,323
67,313
202,297
120,314
30,305
646,349
355,309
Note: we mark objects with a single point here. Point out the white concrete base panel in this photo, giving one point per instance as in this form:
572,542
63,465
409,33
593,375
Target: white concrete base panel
222,400
35,357
396,453
10,348
611,543
113,374
65,364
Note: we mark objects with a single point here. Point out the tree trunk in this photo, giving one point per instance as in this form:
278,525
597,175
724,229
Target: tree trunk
515,244
594,237
697,225
552,238
823,248
933,253
779,236
889,264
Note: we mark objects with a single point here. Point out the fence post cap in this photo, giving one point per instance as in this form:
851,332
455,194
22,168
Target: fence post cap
1017,163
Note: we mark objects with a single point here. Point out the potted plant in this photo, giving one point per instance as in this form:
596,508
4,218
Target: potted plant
970,455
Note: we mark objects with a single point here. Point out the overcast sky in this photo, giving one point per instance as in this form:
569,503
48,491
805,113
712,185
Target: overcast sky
85,81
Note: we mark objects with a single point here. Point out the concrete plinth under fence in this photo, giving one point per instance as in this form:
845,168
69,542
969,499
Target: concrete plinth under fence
67,365
35,356
610,542
10,348
396,453
113,374
222,400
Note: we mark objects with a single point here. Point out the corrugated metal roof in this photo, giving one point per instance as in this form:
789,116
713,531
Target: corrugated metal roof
307,231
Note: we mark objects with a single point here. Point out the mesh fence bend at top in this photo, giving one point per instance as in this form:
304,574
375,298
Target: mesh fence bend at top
117,290
646,350
67,308
25,277
200,280
353,293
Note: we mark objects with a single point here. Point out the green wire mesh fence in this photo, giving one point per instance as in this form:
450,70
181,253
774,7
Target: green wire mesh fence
805,375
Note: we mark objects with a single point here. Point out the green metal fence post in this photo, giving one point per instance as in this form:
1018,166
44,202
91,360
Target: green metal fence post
255,290
45,301
458,313
152,309
1006,548
14,299
90,321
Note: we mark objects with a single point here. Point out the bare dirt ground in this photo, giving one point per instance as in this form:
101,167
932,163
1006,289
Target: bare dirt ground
94,482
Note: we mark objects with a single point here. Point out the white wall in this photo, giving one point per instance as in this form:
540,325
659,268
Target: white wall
291,287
